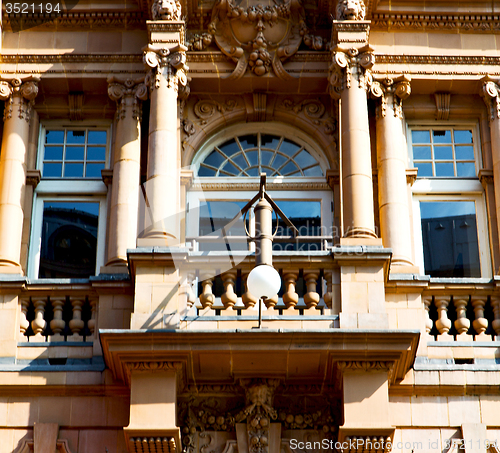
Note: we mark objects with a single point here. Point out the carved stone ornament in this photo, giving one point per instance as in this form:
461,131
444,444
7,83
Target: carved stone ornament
170,64
397,89
166,10
350,64
119,90
314,110
261,37
26,90
491,96
350,10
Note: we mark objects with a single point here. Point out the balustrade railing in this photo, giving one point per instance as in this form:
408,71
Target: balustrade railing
57,318
462,317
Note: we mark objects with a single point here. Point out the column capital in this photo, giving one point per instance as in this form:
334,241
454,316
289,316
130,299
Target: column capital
396,88
491,94
25,90
120,90
169,63
350,65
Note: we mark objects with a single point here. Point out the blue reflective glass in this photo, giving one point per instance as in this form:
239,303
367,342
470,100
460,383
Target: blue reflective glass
444,169
53,153
462,136
74,152
464,152
97,137
424,169
94,170
441,136
466,169
54,137
75,137
96,153
443,153
422,152
52,170
73,170
420,137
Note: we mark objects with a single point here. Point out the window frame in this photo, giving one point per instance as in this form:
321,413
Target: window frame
450,188
55,189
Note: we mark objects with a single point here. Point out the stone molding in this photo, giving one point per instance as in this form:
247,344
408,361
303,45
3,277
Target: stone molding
439,59
33,177
398,88
25,89
486,177
209,186
28,446
365,365
119,90
491,95
411,175
352,63
153,366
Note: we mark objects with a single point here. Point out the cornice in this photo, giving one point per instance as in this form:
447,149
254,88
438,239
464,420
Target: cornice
437,59
130,20
210,186
483,23
70,58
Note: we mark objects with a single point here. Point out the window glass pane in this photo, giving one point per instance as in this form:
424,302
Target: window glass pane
443,152
53,153
304,159
464,152
230,168
441,136
313,171
424,169
69,240
449,233
54,137
75,152
462,136
75,137
289,148
290,167
229,148
279,160
214,159
248,141
253,157
240,160
444,169
422,152
254,171
269,141
97,138
265,157
96,153
466,169
52,170
204,171
420,137
94,170
73,171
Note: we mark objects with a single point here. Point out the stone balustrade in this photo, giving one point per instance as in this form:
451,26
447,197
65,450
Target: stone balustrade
462,317
57,318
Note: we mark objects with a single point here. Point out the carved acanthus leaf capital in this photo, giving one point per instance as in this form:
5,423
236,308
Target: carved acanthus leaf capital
491,95
387,88
166,10
24,89
350,10
350,64
169,63
119,91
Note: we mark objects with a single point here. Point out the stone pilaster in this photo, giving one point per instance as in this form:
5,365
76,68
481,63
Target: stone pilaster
491,96
391,165
167,80
124,204
350,79
19,98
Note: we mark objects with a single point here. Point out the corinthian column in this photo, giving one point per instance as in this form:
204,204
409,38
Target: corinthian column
491,95
168,77
126,168
350,79
391,163
19,96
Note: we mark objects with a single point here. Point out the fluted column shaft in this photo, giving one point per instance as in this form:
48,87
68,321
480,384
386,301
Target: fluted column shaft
162,189
491,95
391,165
19,96
349,81
126,169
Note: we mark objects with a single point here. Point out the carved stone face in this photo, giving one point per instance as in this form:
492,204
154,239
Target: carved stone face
166,9
350,10
258,394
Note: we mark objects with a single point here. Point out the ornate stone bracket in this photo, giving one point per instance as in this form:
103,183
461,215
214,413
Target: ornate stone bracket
367,366
442,106
348,65
398,88
491,96
119,90
169,63
25,89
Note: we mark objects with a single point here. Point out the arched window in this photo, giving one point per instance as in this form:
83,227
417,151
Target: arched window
227,171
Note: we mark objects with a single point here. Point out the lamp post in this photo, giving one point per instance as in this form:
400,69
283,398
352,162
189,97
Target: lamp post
264,280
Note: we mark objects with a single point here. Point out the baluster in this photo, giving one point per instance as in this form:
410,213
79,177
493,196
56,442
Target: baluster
462,324
207,298
93,317
248,299
76,324
229,298
328,296
443,324
24,324
191,298
311,298
38,324
480,324
428,321
495,302
271,302
290,297
57,324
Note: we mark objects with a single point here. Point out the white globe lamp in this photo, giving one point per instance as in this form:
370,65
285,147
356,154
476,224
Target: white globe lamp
264,281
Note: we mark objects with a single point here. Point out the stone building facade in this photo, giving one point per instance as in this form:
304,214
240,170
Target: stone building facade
135,131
